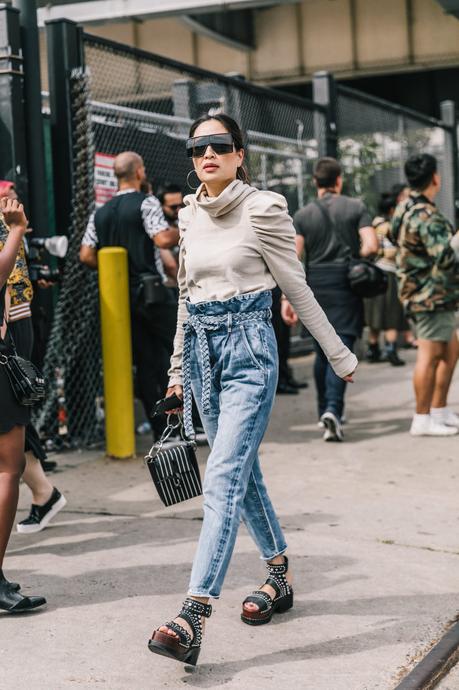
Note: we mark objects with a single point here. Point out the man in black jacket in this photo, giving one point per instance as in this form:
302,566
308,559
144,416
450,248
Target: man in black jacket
135,221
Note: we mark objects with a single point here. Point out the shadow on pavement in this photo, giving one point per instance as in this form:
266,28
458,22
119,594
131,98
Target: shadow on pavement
312,573
211,675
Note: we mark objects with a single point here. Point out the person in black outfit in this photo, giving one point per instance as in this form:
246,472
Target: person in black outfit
329,232
287,384
135,220
47,501
13,417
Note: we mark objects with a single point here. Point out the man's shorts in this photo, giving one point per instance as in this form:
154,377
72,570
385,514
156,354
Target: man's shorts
435,325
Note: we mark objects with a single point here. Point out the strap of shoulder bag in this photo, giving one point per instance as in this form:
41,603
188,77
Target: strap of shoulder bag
3,315
331,226
7,342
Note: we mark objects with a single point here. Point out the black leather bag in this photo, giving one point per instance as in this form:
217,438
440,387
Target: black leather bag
174,470
26,381
152,290
365,278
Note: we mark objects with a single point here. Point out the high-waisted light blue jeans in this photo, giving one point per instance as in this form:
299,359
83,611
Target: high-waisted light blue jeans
243,378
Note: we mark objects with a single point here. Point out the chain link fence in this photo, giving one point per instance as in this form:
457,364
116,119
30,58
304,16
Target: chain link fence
375,138
145,103
72,413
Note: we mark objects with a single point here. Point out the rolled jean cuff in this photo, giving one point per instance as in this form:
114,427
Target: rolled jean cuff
275,554
202,594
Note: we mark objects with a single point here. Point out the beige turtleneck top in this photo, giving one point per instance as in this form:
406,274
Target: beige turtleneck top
244,241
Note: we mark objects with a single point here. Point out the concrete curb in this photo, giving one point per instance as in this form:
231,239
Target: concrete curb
434,667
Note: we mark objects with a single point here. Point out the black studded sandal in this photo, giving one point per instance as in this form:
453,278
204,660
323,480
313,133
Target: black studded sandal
267,606
186,648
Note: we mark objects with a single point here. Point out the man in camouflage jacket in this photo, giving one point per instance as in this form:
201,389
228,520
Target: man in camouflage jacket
428,281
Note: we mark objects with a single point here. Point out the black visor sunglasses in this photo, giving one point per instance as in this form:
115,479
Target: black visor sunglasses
220,144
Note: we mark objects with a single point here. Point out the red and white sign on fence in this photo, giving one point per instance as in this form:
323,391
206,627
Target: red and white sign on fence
105,182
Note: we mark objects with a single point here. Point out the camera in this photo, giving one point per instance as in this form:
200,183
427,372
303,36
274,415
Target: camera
56,246
44,272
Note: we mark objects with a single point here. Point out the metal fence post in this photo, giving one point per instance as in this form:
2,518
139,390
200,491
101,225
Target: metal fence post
184,98
38,196
448,115
324,94
13,157
65,53
37,206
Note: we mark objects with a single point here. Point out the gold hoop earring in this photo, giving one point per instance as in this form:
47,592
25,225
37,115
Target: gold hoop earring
188,180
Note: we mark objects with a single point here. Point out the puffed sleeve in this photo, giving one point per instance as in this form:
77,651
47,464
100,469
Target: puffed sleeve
175,371
275,235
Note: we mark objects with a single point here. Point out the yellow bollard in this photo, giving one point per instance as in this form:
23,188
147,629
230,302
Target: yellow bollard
116,352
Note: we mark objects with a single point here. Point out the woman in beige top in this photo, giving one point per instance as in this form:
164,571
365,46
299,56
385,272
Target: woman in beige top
236,244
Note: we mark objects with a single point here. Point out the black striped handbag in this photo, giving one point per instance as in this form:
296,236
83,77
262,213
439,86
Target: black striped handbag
174,469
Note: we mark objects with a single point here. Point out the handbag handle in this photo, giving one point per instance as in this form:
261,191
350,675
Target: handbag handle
157,446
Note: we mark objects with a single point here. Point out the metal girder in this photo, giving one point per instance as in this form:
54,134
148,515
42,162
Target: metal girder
98,11
450,7
235,28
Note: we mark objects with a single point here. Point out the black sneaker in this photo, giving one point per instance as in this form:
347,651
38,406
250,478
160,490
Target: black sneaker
40,516
373,354
297,384
284,388
393,358
48,465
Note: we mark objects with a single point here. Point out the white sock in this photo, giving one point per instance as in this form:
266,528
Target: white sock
421,417
437,411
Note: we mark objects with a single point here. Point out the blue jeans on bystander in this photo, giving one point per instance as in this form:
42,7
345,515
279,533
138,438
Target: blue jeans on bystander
330,387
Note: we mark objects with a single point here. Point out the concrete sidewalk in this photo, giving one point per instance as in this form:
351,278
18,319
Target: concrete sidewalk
372,526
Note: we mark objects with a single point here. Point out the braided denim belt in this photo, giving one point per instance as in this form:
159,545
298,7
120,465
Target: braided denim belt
200,324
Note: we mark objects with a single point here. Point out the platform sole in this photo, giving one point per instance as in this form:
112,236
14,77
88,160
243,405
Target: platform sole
172,651
280,607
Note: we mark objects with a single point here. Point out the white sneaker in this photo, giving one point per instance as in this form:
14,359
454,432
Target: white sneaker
333,428
329,436
321,425
424,425
444,415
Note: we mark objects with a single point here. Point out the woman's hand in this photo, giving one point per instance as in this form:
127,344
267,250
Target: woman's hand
288,313
178,390
13,213
349,378
44,284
